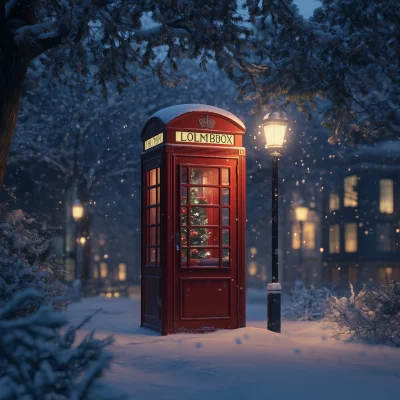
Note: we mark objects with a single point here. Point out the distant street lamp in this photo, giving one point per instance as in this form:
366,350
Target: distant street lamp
274,125
301,216
77,213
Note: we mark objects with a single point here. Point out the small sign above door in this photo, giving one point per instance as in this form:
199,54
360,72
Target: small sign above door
153,141
209,138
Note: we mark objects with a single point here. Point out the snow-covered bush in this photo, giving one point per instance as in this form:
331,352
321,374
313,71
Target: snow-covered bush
26,261
307,304
38,362
372,315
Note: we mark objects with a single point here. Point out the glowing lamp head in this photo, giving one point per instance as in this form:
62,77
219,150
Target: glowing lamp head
77,210
301,213
274,125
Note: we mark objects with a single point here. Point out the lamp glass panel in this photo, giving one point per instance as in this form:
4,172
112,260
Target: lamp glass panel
274,134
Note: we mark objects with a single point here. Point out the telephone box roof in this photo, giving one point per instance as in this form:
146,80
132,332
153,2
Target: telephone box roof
168,114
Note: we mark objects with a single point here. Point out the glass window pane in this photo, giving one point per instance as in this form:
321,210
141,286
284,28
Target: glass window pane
225,257
225,237
204,257
158,195
184,172
184,214
386,203
225,196
350,237
204,176
158,176
147,178
151,255
158,255
225,176
151,215
158,235
153,177
184,237
225,217
204,236
158,215
184,195
184,261
152,236
152,199
204,195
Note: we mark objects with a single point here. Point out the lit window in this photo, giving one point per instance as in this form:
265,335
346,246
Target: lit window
103,270
350,237
386,196
252,268
334,202
385,274
350,191
122,272
308,236
334,239
296,236
385,239
95,272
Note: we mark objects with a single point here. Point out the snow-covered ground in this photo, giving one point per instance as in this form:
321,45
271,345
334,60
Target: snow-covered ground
304,362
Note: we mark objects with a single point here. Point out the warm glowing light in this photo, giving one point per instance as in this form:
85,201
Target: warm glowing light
109,294
95,273
253,251
103,270
77,210
301,213
321,250
106,256
82,240
350,237
96,257
274,125
122,272
252,268
116,294
102,242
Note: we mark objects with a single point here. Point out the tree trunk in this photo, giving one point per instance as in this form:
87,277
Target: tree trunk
13,68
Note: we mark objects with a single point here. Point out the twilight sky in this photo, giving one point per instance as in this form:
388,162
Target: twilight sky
307,7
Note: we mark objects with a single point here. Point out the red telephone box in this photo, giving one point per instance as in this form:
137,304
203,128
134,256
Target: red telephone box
193,220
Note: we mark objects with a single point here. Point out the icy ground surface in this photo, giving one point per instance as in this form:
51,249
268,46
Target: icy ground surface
304,362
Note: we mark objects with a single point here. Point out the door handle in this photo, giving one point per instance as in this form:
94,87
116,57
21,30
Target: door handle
177,240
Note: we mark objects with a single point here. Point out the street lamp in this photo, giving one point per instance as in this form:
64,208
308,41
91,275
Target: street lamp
301,216
77,213
274,125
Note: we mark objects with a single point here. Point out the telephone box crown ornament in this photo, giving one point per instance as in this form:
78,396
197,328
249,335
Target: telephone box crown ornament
193,220
207,122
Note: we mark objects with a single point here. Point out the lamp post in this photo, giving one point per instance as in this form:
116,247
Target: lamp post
301,216
274,125
77,214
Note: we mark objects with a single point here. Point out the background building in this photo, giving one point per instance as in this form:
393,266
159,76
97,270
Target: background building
361,224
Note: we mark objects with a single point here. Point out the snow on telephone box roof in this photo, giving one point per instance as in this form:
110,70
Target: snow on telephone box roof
168,114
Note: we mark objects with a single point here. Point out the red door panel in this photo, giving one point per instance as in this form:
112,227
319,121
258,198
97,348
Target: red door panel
205,251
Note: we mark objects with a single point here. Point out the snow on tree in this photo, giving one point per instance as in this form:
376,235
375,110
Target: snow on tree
373,314
26,261
81,42
342,63
37,361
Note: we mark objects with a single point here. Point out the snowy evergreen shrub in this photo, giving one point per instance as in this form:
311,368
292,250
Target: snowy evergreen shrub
37,362
307,304
372,315
26,261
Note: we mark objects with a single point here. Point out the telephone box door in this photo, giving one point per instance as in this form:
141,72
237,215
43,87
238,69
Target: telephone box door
206,276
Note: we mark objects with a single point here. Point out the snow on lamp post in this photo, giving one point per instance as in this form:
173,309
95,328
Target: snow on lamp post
274,125
301,216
